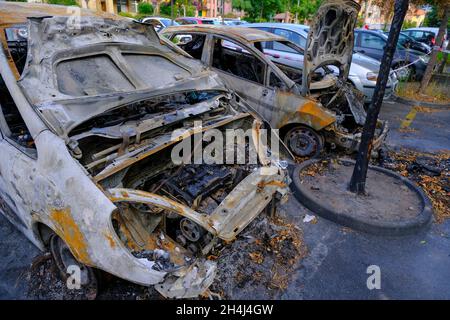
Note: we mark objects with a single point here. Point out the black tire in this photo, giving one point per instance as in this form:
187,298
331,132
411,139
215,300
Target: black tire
63,258
303,141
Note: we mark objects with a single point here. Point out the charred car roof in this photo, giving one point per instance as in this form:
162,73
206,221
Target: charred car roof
246,34
78,69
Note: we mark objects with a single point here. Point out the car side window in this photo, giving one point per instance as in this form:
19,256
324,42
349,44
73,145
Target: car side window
11,122
292,36
276,82
232,58
417,34
191,43
372,41
355,44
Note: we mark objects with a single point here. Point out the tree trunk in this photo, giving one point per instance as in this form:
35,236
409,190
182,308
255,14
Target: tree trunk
444,60
433,57
358,180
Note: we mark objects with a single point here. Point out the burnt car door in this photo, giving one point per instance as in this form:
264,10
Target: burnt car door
17,161
242,70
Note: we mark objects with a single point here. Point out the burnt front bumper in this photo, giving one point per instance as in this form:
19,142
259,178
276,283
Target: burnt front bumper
350,142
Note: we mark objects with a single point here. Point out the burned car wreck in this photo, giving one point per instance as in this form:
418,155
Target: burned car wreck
88,132
310,104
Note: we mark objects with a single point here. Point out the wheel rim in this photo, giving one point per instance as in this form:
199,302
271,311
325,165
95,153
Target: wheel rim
404,73
303,142
190,230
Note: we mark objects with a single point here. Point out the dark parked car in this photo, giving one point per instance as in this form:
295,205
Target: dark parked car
411,43
372,44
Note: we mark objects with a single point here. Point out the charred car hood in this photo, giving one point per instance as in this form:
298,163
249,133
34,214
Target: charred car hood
75,72
330,39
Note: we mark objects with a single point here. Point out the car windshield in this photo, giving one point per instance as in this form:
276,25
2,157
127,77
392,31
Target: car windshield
168,22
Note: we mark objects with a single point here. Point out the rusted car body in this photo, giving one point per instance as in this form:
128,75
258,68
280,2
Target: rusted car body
88,113
307,104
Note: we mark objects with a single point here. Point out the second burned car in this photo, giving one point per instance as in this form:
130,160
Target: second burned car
310,105
90,115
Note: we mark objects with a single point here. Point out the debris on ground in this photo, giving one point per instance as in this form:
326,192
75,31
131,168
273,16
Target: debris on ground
262,258
429,171
44,283
434,93
310,218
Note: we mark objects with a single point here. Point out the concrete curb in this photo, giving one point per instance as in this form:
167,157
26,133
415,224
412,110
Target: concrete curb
415,103
384,228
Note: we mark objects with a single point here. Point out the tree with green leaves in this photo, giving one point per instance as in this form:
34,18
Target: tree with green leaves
305,9
145,8
260,10
443,7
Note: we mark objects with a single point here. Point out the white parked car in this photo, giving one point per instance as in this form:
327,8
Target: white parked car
363,69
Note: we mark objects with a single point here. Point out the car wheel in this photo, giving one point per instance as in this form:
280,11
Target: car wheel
404,73
63,259
304,142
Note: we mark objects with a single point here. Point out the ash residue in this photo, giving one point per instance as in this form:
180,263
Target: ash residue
259,264
44,283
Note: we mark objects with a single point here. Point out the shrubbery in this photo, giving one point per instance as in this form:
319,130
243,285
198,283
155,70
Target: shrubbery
145,8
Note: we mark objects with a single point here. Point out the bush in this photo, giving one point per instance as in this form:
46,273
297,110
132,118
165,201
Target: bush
145,8
63,2
409,24
126,14
166,10
190,11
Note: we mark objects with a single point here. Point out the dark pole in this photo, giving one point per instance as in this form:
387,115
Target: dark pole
171,11
358,181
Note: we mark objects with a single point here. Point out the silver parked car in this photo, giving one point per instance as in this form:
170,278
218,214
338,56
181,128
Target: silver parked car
363,70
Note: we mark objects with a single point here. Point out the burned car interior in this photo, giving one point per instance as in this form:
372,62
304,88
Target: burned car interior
230,57
11,121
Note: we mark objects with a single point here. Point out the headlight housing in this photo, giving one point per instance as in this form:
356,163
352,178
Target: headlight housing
372,76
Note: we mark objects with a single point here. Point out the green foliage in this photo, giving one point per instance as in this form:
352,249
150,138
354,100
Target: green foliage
434,18
145,8
63,2
360,22
306,9
17,0
265,10
409,24
166,10
230,15
126,14
260,10
244,5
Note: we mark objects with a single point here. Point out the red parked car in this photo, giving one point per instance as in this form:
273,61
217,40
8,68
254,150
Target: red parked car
189,20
